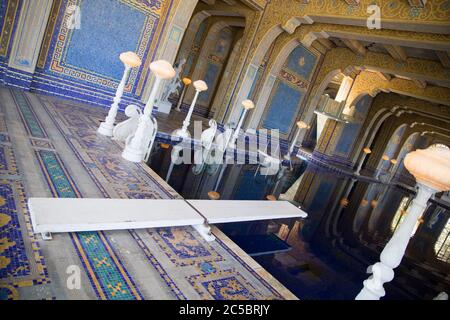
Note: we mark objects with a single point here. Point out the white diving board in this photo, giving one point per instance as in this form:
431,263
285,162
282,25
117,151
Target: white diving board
229,211
60,215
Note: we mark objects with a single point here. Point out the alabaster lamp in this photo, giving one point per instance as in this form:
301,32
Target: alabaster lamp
199,86
187,82
135,150
247,105
130,60
300,125
431,168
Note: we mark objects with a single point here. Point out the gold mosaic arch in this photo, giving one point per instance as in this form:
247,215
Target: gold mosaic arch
396,12
371,83
308,33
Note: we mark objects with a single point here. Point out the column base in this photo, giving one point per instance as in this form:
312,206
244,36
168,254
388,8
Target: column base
105,129
132,154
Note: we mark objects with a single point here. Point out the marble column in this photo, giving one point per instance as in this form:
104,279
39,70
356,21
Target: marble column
27,42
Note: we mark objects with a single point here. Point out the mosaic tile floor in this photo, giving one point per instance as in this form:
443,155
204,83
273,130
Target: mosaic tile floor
49,147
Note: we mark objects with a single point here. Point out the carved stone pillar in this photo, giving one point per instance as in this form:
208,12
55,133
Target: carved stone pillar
27,42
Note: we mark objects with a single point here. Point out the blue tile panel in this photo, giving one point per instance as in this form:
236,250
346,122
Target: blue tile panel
283,108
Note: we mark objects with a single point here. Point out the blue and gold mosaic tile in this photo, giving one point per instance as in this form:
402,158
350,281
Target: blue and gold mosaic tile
19,266
224,285
29,119
8,163
183,248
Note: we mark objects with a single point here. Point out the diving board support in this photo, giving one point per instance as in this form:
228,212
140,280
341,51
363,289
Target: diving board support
61,215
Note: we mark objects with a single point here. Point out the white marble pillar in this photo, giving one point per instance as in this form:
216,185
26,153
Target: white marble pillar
130,60
199,86
248,105
29,34
431,168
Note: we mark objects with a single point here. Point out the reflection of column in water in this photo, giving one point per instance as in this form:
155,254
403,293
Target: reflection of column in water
175,152
222,171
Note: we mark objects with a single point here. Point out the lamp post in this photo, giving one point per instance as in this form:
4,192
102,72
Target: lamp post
248,105
199,86
301,125
366,151
431,168
134,151
186,82
130,60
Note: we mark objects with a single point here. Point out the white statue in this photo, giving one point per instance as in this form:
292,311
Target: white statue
207,139
126,130
128,127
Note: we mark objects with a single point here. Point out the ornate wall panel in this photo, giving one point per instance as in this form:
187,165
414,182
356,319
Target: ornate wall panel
82,63
290,89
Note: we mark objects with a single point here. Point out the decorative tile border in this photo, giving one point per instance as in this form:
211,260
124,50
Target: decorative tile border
29,118
18,268
6,30
8,163
110,279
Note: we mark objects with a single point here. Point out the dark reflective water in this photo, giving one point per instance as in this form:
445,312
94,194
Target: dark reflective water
349,223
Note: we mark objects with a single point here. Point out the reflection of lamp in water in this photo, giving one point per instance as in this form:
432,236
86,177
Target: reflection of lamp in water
213,195
366,151
430,168
344,202
186,82
374,203
301,125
